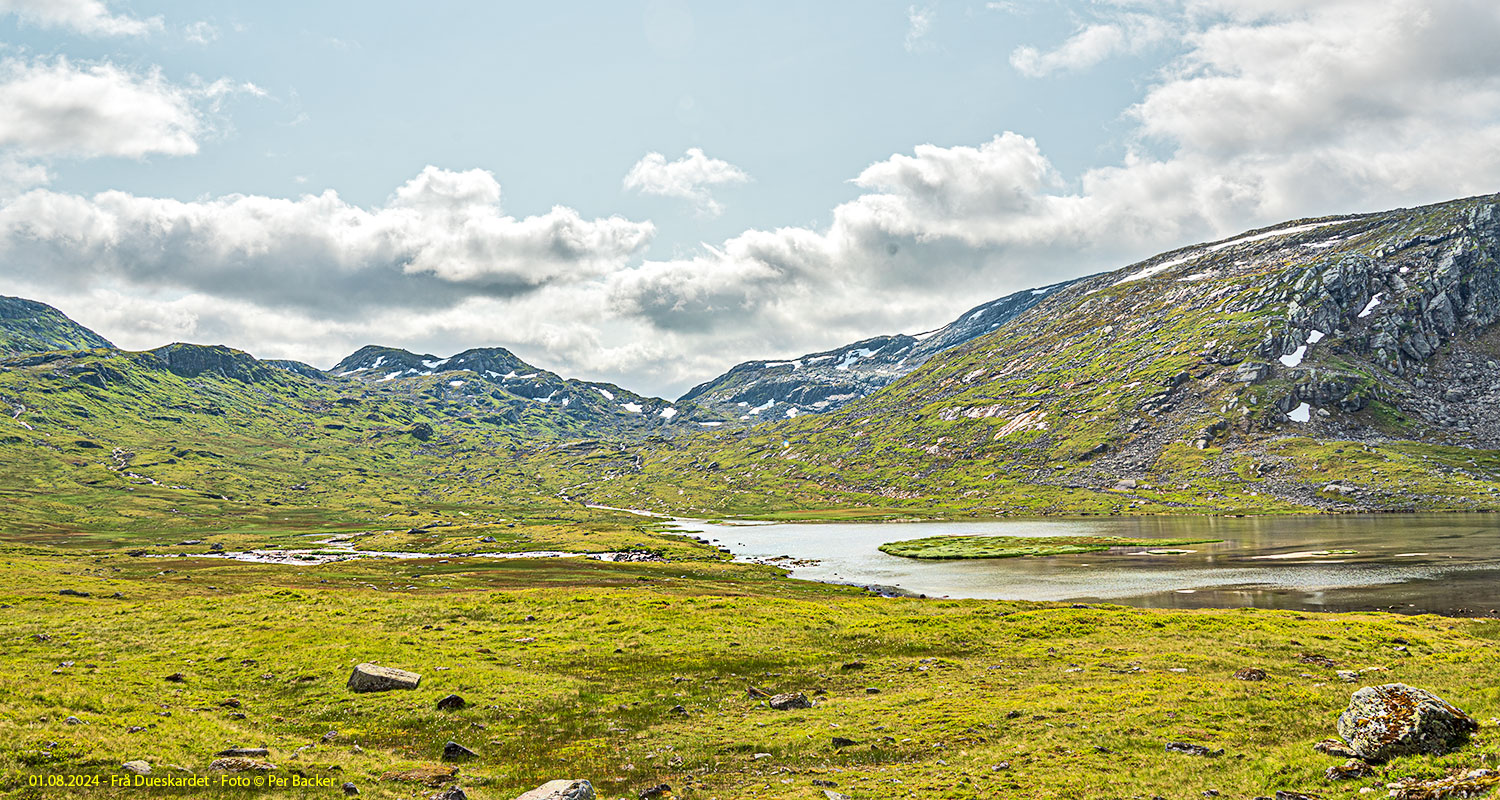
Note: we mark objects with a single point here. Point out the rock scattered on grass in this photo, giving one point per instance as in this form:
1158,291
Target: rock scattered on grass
73,593
1250,674
789,701
1193,749
454,792
1333,747
1349,770
374,678
839,742
1470,784
1383,722
240,765
561,790
653,792
350,789
176,677
244,752
453,751
73,721
451,702
137,767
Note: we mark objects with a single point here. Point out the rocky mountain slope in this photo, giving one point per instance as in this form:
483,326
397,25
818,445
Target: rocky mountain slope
27,326
1341,363
814,383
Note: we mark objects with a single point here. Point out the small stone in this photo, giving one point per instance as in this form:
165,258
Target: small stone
134,729
839,742
1347,676
176,677
451,702
454,792
136,767
829,794
232,702
824,784
1349,770
73,593
852,666
789,701
659,790
1333,747
73,721
872,690
678,710
374,678
240,765
1193,749
244,752
1250,674
350,789
453,751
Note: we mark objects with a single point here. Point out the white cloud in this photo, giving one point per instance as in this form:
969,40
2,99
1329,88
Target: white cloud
442,237
1091,45
59,108
201,33
918,26
689,178
89,17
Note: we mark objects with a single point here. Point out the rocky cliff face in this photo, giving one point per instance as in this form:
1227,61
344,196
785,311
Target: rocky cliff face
757,391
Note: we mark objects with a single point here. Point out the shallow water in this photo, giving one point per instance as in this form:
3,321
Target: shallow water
1438,563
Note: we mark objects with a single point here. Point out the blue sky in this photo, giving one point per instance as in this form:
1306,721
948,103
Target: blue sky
302,179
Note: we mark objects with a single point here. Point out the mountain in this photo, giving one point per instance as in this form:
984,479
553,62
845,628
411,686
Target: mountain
494,375
820,382
27,326
1340,363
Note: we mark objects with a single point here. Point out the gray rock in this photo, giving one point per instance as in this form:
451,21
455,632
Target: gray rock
451,702
240,765
137,767
350,789
1193,749
73,721
1252,372
561,790
1383,722
244,752
73,593
453,751
373,678
789,701
451,793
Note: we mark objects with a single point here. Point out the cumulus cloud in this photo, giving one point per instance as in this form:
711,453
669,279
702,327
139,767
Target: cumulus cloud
442,237
689,178
89,17
61,108
200,33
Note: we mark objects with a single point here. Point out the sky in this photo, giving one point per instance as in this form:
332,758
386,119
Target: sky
651,192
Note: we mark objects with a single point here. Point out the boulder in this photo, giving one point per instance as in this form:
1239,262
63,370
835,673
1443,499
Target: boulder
453,751
1250,674
454,792
1383,722
451,702
561,790
136,767
789,701
244,752
373,678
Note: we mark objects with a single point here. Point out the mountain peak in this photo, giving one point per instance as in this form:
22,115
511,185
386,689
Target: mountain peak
27,326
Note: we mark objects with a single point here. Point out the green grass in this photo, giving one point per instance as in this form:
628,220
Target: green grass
946,547
586,687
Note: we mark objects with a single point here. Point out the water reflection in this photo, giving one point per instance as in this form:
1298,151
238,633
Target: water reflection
1410,563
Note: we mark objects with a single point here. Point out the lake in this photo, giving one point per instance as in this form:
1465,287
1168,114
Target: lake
1423,563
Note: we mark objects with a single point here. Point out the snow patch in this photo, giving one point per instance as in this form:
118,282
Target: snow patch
853,356
1315,337
390,376
791,413
1294,358
608,395
1370,306
1301,413
634,408
763,407
1268,234
434,364
667,413
455,384
713,424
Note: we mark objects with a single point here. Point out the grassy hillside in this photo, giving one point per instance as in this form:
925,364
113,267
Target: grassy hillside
27,326
1338,364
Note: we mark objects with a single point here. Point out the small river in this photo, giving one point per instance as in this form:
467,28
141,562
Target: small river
1426,563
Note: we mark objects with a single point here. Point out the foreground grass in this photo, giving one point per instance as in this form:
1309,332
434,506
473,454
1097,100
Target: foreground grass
572,668
945,547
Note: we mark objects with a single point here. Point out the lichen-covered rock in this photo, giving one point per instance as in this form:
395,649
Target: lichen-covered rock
373,678
1383,722
561,790
789,701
